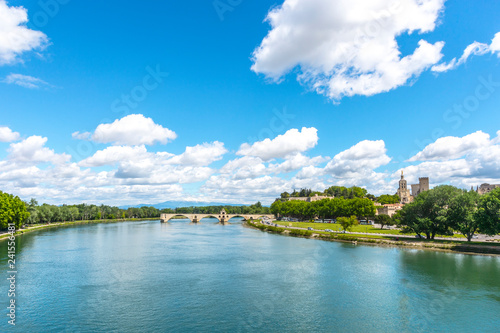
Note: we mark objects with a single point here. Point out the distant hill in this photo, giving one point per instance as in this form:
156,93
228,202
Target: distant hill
176,204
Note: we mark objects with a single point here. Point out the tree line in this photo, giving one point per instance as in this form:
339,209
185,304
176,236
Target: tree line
46,213
344,192
446,209
14,210
324,209
336,191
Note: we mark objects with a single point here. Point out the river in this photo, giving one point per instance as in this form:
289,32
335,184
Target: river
178,277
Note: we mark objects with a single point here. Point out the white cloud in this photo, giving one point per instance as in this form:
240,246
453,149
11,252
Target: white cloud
310,172
470,160
348,47
292,142
133,130
7,135
451,147
201,155
295,162
360,158
134,175
15,37
495,44
32,150
114,154
25,81
475,48
81,136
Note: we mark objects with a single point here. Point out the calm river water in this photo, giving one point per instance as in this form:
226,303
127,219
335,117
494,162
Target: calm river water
178,277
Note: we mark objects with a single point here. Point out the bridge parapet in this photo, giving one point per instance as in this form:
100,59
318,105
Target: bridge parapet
222,218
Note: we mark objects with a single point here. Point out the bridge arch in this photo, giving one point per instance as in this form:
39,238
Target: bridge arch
169,217
203,216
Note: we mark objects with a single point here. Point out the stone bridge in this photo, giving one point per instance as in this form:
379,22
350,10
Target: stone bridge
223,217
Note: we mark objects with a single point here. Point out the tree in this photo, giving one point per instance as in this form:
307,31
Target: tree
461,214
347,222
427,214
45,213
488,213
12,210
385,199
383,220
73,213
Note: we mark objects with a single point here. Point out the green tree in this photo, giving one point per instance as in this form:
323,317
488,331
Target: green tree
347,222
385,199
488,213
461,214
427,214
12,210
383,220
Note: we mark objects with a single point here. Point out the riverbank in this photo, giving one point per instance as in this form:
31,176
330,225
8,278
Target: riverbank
436,245
37,227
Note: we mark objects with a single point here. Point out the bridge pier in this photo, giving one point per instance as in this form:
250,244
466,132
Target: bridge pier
222,217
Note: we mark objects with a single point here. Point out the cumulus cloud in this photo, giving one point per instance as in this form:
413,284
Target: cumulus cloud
7,135
451,147
114,154
295,162
131,130
467,161
201,155
348,47
133,174
364,156
15,37
475,48
25,81
495,44
33,150
292,142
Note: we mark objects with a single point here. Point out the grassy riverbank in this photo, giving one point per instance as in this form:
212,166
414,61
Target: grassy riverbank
357,228
36,227
438,245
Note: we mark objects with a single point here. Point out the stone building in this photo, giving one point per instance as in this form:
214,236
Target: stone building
311,199
403,192
388,209
423,185
486,188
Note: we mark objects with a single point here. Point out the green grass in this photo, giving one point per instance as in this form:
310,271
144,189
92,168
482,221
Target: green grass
358,228
364,237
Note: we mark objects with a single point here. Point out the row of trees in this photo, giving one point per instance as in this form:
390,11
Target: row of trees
14,210
343,192
446,209
324,209
336,191
50,213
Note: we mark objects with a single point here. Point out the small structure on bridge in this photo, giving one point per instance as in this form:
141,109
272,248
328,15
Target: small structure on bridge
223,216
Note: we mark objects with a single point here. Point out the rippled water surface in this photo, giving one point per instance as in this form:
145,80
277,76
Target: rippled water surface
177,277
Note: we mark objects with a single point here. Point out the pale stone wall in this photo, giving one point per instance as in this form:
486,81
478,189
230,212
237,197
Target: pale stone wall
415,189
422,186
310,199
389,209
403,192
486,188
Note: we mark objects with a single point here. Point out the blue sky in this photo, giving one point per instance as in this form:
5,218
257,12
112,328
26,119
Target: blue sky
320,93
